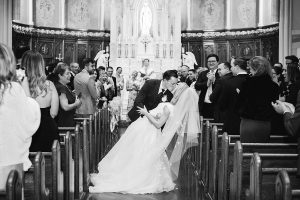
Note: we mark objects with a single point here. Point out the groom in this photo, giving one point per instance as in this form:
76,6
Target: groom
153,92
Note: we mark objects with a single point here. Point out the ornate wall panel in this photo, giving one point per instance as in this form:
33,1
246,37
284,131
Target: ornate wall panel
208,14
65,45
222,51
47,13
197,49
94,47
269,48
81,51
69,51
246,49
243,13
83,14
259,42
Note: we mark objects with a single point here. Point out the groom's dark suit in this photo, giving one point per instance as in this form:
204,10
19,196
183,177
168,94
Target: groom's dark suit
148,96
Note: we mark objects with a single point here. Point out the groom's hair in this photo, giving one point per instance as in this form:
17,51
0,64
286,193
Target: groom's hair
170,73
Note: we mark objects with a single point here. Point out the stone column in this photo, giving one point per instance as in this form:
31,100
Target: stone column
261,11
188,11
228,14
62,16
6,22
102,15
285,38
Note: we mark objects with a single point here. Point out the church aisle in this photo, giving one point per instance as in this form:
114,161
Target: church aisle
188,189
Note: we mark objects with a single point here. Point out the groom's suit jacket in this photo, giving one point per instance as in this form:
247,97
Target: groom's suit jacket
148,96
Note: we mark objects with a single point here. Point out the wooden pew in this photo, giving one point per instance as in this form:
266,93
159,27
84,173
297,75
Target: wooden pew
41,192
90,121
227,151
57,173
11,182
54,171
69,174
13,190
257,172
86,156
72,138
283,188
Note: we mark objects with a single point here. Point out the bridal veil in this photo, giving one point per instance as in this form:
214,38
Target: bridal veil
183,124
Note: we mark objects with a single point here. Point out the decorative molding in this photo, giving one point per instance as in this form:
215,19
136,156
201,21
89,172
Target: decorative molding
30,30
233,34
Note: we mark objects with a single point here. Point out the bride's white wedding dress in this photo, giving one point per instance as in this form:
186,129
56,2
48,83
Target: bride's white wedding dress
138,164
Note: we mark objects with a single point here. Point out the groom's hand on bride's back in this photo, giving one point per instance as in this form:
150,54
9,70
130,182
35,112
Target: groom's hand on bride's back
142,111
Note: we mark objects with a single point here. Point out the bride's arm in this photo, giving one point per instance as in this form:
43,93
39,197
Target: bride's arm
158,123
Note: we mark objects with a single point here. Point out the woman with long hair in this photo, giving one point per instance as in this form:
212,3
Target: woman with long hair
254,101
19,113
68,101
44,92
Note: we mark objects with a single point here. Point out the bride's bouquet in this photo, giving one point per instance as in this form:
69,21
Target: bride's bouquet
114,107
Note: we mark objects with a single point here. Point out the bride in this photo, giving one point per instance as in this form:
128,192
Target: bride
138,163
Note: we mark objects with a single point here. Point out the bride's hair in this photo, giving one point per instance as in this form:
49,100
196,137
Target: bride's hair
180,88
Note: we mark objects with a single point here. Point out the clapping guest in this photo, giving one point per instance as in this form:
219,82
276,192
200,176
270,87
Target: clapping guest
68,101
254,102
19,113
205,83
133,86
44,92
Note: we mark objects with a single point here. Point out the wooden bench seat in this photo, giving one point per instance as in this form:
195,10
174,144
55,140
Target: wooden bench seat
284,189
11,182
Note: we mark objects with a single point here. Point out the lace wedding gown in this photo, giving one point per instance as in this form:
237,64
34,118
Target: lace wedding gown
131,166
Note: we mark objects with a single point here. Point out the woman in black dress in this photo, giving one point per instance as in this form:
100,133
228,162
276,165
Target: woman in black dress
67,100
254,102
44,92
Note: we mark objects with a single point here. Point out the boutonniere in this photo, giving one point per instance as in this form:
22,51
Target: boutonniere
164,98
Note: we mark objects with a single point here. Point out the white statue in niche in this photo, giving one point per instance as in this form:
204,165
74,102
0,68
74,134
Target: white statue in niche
145,19
188,58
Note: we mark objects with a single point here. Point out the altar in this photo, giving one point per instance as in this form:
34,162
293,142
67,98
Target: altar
145,29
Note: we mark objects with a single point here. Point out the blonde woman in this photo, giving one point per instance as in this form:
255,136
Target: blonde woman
44,92
19,113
